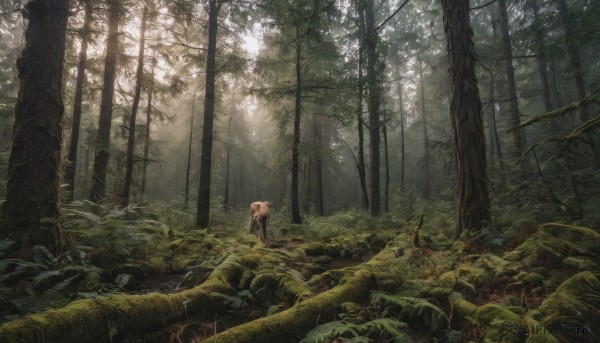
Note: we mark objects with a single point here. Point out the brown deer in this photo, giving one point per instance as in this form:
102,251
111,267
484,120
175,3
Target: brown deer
259,218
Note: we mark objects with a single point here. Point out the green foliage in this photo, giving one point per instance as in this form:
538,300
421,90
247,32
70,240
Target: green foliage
416,311
391,329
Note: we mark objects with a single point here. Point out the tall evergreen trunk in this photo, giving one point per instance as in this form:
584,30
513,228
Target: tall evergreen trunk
519,138
294,205
319,208
494,138
102,152
203,215
227,163
186,198
31,213
71,164
374,97
147,133
386,195
540,49
362,174
472,198
136,102
402,150
307,184
426,149
575,60
575,63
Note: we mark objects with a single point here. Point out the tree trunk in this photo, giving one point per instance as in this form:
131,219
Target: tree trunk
374,97
519,137
227,163
147,133
386,195
319,208
186,198
308,184
402,151
71,164
359,115
203,215
294,205
472,198
540,49
102,152
494,133
426,150
575,62
31,213
136,102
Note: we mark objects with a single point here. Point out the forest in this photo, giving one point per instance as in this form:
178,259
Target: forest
313,171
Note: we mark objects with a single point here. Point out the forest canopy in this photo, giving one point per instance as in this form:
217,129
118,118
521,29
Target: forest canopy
299,171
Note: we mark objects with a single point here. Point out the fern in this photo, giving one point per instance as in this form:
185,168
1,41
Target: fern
378,328
415,310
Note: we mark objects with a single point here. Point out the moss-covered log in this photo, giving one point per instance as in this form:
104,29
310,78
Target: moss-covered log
296,321
105,319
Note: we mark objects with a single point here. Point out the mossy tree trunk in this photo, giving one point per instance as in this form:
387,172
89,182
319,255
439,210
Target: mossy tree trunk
31,213
426,145
102,152
468,141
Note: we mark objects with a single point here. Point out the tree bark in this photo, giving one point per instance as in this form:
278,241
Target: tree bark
472,198
203,215
359,115
186,198
294,203
426,150
519,137
228,162
402,150
102,152
71,164
386,195
374,98
540,49
136,102
31,213
319,207
147,133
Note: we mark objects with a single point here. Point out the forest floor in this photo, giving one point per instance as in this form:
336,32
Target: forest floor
145,274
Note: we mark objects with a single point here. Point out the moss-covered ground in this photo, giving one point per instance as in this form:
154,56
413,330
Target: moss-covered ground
145,274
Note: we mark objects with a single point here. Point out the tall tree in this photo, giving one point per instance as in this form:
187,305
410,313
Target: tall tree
102,152
294,203
148,123
71,164
371,40
31,213
541,56
228,161
203,215
186,198
134,108
468,141
426,147
575,59
359,108
402,146
518,135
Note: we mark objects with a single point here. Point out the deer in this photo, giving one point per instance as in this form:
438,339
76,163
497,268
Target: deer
259,219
